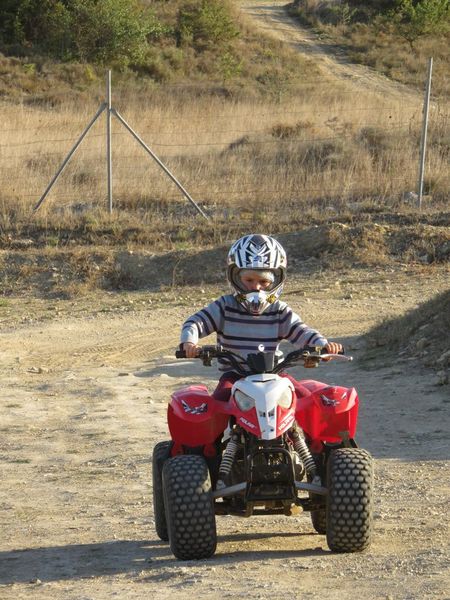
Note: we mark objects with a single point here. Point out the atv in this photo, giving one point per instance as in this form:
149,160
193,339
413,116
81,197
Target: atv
266,451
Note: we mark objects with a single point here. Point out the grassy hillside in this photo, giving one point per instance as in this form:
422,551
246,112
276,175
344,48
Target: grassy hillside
208,41
201,41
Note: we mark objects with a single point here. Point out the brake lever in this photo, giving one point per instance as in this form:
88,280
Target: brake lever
343,357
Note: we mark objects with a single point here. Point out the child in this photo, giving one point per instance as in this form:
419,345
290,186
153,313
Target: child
253,314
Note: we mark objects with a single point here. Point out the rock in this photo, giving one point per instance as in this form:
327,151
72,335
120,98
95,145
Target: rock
444,359
410,198
37,370
442,377
422,343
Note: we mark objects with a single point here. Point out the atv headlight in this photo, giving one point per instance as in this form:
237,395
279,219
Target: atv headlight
244,401
285,399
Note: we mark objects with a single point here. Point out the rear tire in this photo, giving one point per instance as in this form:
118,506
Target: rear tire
349,502
189,506
161,452
319,520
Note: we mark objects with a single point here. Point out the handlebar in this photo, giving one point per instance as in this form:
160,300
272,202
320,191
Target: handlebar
258,363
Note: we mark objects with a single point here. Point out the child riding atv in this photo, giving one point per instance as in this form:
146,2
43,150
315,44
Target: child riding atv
253,315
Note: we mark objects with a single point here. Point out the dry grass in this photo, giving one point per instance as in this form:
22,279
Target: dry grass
321,146
104,259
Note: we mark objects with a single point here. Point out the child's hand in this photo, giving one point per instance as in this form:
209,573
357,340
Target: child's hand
191,349
333,348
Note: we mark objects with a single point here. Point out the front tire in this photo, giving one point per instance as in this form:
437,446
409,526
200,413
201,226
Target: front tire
161,453
349,502
189,506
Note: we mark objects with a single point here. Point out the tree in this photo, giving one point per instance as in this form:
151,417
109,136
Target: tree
415,19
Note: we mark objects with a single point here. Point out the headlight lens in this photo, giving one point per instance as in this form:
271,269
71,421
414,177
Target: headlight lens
244,401
285,399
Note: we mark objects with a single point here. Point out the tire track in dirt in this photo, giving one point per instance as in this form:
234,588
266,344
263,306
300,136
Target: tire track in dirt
61,344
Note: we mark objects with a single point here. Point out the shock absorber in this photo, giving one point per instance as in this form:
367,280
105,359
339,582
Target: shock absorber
303,451
227,460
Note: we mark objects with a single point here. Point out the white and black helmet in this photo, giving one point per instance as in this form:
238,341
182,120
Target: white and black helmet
257,253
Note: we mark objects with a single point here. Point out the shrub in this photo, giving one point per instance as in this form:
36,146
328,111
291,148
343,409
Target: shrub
88,30
206,25
112,30
36,23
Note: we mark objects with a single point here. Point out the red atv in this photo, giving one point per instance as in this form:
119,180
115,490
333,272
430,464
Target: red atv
266,451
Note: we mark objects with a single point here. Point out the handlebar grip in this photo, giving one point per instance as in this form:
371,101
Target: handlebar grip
180,354
322,350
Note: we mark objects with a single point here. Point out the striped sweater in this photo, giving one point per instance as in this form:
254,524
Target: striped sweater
241,332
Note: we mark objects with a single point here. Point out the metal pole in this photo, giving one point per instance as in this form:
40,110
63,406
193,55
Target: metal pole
423,141
108,141
69,156
163,167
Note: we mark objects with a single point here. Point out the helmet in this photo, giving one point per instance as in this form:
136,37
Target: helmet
257,253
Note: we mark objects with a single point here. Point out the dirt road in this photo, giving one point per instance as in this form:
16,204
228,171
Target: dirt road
83,401
271,19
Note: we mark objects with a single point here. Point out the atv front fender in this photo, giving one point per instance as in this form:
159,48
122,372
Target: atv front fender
195,418
328,413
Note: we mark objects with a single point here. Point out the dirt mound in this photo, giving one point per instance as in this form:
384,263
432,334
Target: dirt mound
421,335
333,245
63,271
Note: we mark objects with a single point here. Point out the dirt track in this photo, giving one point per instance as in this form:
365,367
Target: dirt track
83,401
271,18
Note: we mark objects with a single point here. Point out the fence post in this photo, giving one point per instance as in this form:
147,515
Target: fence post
69,156
108,140
112,111
423,140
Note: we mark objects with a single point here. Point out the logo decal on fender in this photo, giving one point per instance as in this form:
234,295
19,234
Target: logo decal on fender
329,401
194,410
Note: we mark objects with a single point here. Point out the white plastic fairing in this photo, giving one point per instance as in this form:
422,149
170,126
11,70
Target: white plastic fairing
267,389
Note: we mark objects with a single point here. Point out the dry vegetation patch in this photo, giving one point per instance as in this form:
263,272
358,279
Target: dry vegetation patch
321,148
70,270
274,132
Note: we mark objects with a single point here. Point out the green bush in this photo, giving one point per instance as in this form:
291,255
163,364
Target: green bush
205,25
101,31
44,24
112,30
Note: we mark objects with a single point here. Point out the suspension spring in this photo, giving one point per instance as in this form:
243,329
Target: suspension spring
304,452
228,457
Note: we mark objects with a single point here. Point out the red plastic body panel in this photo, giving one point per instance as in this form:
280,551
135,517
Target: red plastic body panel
327,413
195,418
